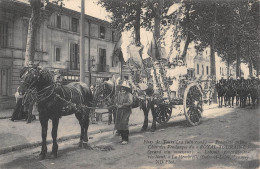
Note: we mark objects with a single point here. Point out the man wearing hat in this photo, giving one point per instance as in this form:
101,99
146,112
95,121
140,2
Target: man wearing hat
124,103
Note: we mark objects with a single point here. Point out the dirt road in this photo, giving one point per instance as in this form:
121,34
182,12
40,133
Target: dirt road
227,138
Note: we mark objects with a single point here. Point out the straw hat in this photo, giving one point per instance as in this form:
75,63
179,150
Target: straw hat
126,85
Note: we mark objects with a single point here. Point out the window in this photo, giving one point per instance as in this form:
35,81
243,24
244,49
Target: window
74,56
3,34
202,67
57,54
207,70
74,24
113,36
102,60
198,69
102,32
58,24
220,70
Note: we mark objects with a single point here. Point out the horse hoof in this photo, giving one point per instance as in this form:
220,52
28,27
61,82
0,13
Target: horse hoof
80,144
53,155
86,146
152,129
41,156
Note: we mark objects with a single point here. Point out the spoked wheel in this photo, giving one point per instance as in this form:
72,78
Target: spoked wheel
193,104
163,113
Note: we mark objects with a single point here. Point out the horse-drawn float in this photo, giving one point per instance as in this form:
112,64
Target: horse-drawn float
160,88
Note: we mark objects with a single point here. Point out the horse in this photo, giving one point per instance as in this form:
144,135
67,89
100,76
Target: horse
221,93
254,93
105,95
243,92
230,94
54,101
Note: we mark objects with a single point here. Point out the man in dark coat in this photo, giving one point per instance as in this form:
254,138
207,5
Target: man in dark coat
124,103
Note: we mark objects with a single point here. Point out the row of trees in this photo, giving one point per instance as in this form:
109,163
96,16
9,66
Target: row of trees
229,27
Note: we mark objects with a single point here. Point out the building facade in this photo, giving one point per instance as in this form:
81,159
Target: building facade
200,63
57,45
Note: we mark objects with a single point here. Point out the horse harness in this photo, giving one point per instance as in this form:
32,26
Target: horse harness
47,92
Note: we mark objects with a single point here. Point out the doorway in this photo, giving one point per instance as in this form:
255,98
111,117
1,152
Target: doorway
4,82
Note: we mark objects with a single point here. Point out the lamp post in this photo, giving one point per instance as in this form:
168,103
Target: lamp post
82,43
93,60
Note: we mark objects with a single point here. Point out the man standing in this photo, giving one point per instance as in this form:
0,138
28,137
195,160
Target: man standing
124,103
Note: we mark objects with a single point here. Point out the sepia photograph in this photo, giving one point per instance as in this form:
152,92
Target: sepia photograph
129,84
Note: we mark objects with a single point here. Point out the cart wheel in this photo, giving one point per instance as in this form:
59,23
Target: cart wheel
163,113
193,104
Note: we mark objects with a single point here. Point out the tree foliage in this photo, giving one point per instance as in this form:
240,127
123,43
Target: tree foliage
234,25
135,14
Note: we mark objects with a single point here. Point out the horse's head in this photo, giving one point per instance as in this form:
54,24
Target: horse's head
30,77
34,77
104,92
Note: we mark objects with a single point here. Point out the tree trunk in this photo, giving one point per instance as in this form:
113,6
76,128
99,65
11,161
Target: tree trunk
250,65
228,65
212,47
137,24
186,47
257,71
157,23
31,36
188,39
212,58
238,60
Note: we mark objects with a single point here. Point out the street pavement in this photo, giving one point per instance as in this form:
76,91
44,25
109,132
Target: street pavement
19,135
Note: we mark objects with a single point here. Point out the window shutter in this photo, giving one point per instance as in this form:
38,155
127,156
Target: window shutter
104,57
71,55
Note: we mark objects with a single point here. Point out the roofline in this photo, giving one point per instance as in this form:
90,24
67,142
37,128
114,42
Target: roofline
24,8
77,14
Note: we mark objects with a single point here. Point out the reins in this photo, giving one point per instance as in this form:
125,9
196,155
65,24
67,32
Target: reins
109,95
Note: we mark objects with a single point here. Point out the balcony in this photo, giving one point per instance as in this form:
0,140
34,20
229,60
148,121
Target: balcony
102,68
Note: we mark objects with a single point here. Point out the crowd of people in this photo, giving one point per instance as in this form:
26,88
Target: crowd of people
243,91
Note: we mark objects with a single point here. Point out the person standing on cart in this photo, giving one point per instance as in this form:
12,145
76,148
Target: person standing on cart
124,101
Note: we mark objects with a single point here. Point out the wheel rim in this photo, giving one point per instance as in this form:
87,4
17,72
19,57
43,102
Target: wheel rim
163,114
193,105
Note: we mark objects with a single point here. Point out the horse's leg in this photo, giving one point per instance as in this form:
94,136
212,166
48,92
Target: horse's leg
225,100
229,102
146,112
240,100
221,102
44,124
218,101
244,101
79,117
153,128
55,124
85,125
249,98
